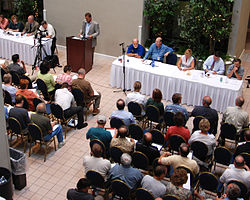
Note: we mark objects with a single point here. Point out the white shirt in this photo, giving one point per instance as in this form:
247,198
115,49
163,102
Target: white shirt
50,30
64,98
219,66
186,63
137,97
208,139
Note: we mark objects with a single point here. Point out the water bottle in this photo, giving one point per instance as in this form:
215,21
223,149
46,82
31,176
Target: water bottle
153,63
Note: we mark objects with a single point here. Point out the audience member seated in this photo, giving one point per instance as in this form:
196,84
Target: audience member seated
96,162
155,100
15,25
119,140
6,114
237,171
136,96
244,148
235,70
99,132
4,22
47,77
176,107
153,183
7,79
232,193
125,172
81,191
65,99
209,113
20,113
28,94
126,116
65,77
158,51
214,64
46,125
15,67
180,160
178,129
236,115
135,49
145,146
202,135
186,61
31,27
88,92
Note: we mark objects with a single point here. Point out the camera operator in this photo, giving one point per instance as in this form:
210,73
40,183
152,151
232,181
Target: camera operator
48,29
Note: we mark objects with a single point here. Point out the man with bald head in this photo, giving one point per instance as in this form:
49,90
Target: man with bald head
209,113
46,125
237,171
31,27
158,51
135,49
236,115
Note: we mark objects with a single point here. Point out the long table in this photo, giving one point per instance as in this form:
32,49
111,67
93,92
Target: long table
22,45
193,84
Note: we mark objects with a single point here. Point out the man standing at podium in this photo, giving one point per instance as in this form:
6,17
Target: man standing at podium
90,30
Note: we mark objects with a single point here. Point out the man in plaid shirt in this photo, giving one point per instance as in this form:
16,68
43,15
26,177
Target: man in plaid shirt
65,77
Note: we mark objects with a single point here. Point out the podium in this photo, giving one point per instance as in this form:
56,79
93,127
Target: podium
79,54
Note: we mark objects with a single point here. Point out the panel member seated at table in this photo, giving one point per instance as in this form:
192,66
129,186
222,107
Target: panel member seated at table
235,70
214,64
135,49
4,22
15,25
186,61
158,51
31,27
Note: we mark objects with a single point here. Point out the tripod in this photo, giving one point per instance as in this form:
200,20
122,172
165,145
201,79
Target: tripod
39,52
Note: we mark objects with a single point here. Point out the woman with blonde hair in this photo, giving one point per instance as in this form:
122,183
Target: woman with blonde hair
186,61
15,25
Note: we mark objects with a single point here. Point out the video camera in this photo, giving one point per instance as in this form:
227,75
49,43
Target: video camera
41,34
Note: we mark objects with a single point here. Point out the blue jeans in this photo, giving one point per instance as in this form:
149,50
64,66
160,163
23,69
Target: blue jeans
58,132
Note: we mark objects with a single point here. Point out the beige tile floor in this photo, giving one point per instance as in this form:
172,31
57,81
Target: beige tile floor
63,168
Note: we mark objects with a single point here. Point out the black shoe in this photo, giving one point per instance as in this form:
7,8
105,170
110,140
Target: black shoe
82,125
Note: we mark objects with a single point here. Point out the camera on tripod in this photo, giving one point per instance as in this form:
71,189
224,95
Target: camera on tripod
41,34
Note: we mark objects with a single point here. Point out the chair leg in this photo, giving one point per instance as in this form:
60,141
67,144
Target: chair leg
54,143
45,152
65,133
31,141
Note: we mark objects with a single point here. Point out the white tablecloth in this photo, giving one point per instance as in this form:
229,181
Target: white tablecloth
21,45
192,85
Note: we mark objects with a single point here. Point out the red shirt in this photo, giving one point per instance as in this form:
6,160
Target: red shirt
29,95
175,130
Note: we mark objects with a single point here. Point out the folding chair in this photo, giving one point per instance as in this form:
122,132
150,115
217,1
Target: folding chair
115,154
135,131
140,160
116,122
143,194
120,190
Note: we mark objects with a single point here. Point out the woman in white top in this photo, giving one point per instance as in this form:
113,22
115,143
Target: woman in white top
186,61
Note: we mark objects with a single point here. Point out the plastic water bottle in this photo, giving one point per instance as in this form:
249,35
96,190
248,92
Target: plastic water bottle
153,63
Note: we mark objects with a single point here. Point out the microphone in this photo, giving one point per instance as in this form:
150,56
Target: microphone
121,44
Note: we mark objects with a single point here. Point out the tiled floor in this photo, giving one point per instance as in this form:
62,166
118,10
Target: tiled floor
63,168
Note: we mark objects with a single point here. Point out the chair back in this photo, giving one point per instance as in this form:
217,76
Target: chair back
169,118
93,141
57,111
120,189
143,194
14,125
153,113
27,78
242,186
43,88
96,180
58,86
135,108
25,103
200,150
2,73
158,136
116,154
140,160
196,122
208,181
36,101
175,141
15,78
116,122
170,197
171,59
228,131
7,97
135,131
222,155
242,134
78,96
35,132
246,157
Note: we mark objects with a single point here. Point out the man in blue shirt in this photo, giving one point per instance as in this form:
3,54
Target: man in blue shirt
135,49
235,70
214,64
176,107
158,50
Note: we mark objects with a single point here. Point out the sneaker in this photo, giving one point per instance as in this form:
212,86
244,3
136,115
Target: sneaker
61,144
82,126
96,111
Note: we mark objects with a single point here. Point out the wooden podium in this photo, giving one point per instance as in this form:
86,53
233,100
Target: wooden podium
79,54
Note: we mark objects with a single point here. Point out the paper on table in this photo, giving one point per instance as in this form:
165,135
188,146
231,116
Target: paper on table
76,38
